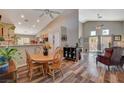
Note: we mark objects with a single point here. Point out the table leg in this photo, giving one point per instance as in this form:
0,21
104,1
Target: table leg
46,68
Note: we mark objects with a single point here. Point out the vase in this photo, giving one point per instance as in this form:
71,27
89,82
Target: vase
4,68
45,52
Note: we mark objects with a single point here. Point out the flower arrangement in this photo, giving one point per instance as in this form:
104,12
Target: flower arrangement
46,47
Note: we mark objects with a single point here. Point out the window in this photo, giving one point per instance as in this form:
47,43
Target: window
93,33
22,41
26,40
105,32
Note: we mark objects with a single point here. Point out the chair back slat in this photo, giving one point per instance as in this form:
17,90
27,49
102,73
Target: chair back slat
58,56
28,59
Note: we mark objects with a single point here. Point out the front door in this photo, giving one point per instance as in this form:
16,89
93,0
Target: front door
93,44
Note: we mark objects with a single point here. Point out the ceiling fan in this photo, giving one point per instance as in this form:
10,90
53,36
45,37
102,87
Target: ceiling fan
99,25
48,12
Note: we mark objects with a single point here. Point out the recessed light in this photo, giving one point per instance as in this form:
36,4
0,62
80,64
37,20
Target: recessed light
22,16
19,23
38,20
26,20
34,26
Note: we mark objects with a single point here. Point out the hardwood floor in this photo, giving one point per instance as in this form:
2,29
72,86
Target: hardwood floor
84,71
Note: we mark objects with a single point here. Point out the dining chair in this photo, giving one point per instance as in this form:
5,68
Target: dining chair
56,64
33,66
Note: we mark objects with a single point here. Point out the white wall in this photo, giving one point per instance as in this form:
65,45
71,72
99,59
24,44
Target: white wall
81,34
123,28
72,28
68,20
123,34
80,30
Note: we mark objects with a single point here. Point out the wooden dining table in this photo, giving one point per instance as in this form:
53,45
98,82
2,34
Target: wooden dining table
39,58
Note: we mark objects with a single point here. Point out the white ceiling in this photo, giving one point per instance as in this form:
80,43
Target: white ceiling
107,15
13,16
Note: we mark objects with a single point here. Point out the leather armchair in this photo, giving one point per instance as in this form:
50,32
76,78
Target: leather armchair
112,56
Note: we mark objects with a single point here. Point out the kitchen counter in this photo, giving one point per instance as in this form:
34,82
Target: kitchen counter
21,45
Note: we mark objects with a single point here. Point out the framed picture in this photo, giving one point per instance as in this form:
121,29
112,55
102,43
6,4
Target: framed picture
117,37
63,33
64,38
53,39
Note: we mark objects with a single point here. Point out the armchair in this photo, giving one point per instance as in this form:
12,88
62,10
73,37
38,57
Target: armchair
111,57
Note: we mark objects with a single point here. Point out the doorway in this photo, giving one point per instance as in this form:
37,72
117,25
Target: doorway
106,42
93,44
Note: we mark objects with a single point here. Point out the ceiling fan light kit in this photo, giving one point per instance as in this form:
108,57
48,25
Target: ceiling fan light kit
99,25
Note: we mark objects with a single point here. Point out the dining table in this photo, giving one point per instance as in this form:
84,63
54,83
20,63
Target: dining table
39,58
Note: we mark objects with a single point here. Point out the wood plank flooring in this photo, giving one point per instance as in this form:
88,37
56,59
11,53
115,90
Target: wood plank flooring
84,71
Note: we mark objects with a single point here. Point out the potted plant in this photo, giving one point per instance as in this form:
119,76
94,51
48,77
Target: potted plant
3,65
6,56
46,47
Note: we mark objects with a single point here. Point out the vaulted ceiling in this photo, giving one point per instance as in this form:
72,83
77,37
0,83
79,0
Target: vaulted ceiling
106,15
27,21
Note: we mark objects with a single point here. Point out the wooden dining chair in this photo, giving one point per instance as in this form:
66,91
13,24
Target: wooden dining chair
32,66
56,64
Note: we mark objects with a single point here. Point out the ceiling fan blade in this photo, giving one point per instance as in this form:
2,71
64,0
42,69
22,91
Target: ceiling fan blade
41,15
38,9
55,12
